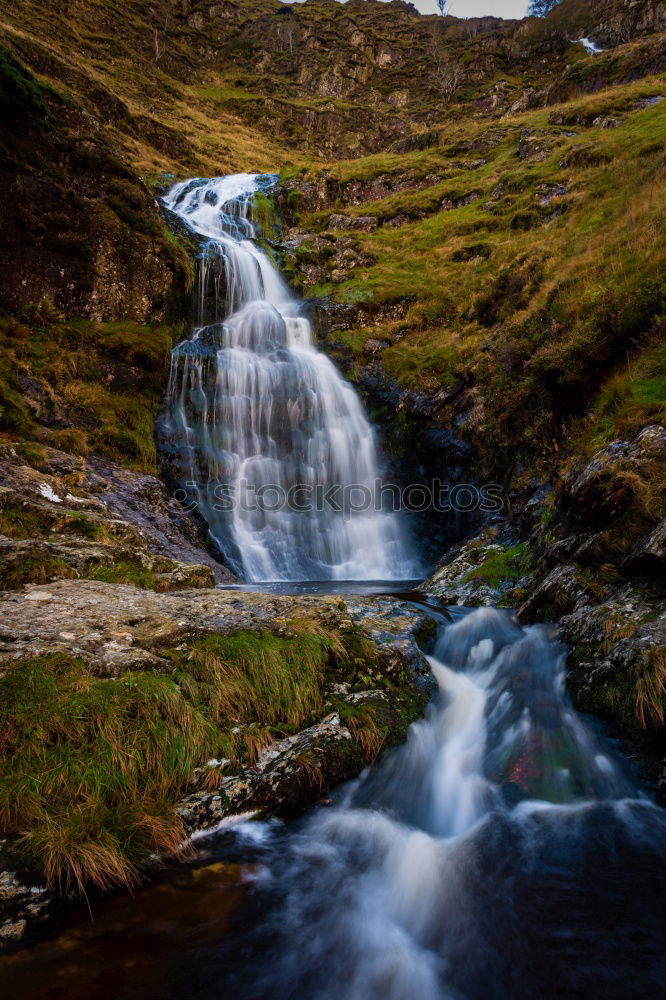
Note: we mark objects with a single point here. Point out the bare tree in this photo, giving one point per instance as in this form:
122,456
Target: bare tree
449,73
442,5
447,70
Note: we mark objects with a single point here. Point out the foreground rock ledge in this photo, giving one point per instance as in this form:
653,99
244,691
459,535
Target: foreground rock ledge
114,628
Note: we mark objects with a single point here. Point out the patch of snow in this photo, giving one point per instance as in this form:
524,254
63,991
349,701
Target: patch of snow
47,492
74,499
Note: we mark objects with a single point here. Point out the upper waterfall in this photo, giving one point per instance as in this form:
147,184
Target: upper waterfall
272,443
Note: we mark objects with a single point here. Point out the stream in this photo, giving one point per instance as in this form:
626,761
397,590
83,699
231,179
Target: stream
504,851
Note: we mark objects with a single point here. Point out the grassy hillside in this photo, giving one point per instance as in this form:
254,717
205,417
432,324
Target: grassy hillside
525,258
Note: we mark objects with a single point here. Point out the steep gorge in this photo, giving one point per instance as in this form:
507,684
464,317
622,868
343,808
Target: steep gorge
473,212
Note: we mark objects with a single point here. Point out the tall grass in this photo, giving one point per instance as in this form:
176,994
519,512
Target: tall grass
91,768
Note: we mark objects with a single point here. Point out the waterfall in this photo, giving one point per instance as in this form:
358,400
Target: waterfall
501,852
272,444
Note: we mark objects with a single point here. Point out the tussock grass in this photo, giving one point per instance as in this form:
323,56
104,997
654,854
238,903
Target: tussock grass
270,678
650,689
361,720
91,768
62,359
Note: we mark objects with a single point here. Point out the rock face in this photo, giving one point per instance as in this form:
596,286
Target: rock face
591,559
114,628
294,772
600,573
470,574
79,227
25,905
76,515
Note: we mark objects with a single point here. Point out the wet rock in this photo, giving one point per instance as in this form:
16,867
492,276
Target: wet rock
400,632
293,773
96,511
649,553
459,577
25,906
562,591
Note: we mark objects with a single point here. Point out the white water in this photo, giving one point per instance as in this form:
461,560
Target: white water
251,401
498,854
590,47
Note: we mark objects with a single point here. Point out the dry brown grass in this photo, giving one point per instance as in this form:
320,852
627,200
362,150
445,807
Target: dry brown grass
650,689
309,762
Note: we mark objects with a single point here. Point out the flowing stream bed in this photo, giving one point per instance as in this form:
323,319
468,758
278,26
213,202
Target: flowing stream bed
502,852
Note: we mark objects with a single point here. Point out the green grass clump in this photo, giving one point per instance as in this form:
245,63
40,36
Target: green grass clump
127,571
638,695
89,768
500,567
635,395
267,677
33,570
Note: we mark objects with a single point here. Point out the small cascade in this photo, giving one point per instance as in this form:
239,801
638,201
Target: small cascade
590,47
501,852
271,443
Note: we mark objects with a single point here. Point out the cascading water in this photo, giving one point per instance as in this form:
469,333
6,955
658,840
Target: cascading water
501,853
254,411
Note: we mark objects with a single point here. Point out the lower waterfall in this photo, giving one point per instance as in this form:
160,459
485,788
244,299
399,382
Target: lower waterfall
500,853
271,443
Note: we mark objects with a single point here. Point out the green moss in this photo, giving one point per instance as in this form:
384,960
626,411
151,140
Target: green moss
263,212
501,567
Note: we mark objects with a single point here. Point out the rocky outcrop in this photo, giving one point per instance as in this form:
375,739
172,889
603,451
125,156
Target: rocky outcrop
480,572
112,629
598,562
26,906
75,515
294,772
589,557
79,226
